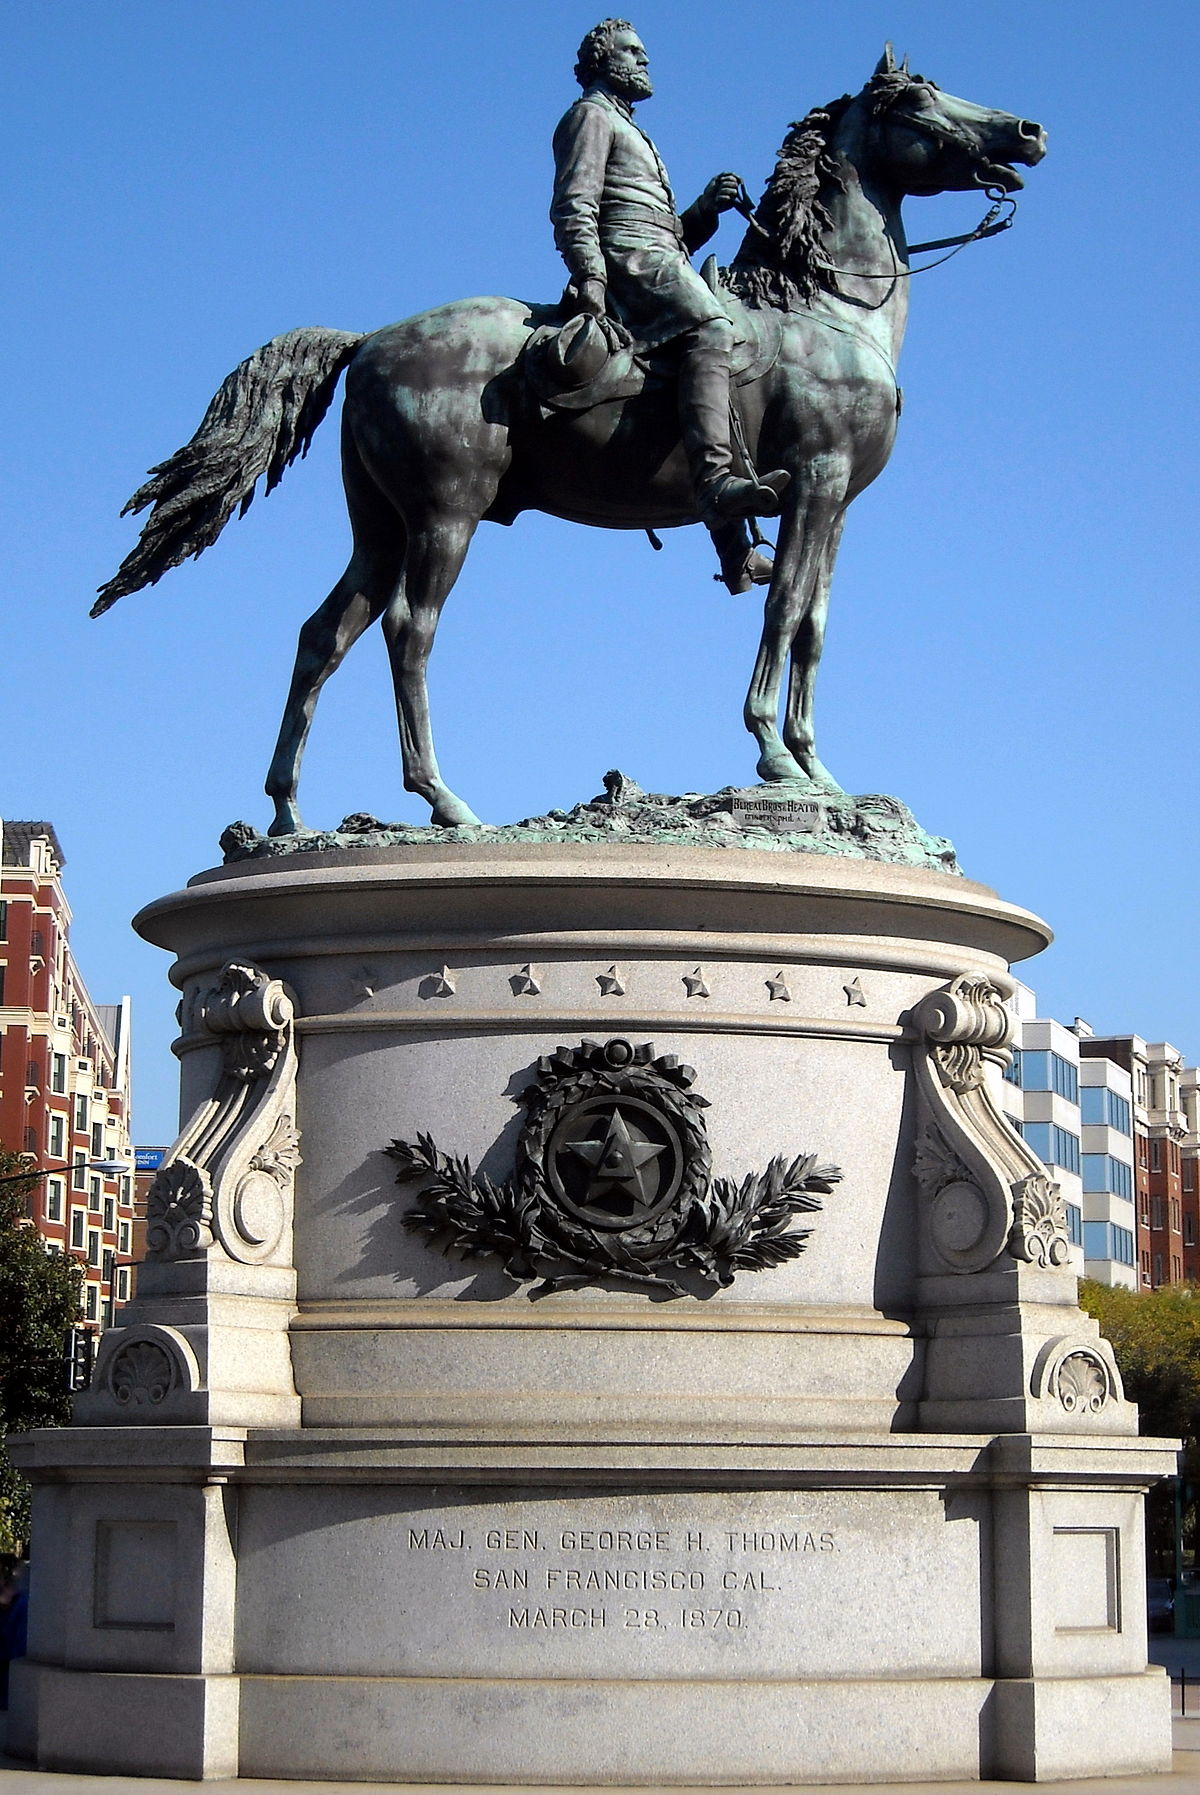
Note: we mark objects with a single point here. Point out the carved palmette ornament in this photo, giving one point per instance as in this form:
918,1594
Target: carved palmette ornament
141,1373
1039,1230
1081,1376
613,1183
227,1183
140,1367
985,1191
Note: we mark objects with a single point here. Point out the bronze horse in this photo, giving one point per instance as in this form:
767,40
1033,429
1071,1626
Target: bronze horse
439,431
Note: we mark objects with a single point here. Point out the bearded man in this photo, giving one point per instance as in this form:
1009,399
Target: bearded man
626,251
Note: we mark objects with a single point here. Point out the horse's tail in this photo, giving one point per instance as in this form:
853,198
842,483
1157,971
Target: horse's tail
264,416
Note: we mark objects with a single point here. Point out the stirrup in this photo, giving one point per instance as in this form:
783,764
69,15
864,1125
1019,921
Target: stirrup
743,572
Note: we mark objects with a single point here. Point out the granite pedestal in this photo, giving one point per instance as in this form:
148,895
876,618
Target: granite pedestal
339,1505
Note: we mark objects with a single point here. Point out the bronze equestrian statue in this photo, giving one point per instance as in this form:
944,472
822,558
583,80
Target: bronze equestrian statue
443,429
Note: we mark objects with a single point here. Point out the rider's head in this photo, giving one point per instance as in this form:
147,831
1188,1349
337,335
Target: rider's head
612,54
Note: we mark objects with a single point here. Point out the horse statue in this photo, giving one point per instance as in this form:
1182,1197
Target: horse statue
441,430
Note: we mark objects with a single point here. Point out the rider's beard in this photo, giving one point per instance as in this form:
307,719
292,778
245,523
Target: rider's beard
630,87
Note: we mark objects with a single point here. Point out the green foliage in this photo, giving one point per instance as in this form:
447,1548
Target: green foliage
1155,1335
39,1300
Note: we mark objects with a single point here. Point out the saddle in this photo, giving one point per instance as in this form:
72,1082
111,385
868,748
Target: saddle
573,366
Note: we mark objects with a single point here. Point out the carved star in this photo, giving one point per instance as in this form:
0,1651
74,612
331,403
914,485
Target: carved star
619,1161
610,982
527,982
695,984
779,989
365,979
440,984
855,995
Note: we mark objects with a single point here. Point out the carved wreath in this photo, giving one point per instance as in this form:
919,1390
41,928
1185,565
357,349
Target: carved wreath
612,1181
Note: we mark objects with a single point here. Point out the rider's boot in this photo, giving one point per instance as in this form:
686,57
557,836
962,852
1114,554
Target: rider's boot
741,564
704,418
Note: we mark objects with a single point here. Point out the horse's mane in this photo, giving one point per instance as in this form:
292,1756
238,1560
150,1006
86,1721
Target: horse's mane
788,264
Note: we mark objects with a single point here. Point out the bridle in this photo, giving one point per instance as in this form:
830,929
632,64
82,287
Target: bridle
950,137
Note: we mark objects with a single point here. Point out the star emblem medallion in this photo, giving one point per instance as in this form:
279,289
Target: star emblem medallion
616,1162
612,1182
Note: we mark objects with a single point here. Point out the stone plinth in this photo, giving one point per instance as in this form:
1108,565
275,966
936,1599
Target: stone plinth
342,1503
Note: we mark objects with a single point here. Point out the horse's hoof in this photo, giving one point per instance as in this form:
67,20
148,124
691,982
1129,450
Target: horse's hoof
778,768
452,813
816,771
287,821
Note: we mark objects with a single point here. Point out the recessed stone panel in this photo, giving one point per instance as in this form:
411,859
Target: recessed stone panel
1087,1584
135,1574
735,1585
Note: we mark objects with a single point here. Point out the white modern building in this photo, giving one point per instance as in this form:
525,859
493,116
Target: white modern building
1076,1113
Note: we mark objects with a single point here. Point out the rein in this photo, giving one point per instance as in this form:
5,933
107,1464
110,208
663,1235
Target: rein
990,225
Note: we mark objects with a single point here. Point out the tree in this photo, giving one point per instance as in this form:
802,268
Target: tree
40,1289
1155,1335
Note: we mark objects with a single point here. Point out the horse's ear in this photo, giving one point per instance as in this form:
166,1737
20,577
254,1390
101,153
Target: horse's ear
904,66
887,62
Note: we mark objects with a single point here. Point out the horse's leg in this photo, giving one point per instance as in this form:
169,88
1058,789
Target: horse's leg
359,598
798,732
798,560
436,551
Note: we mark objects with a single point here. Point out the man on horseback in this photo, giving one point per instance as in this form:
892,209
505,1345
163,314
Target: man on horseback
627,249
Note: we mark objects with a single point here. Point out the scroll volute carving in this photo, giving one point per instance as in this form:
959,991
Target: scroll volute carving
984,1190
226,1186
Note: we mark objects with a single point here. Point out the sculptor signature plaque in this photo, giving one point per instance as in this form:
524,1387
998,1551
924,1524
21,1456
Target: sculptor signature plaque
613,1181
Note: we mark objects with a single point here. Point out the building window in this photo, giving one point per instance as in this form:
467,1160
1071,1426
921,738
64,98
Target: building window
93,1246
58,1074
79,1172
81,1113
3,921
1176,1269
110,1214
90,1302
123,1284
55,1193
94,1195
1012,1071
1074,1224
1102,1106
97,1140
1143,1150
106,1265
1189,1231
58,1136
77,1227
1158,1217
1045,1071
1055,1145
1156,1156
3,970
1189,1174
125,1192
123,1240
1104,1240
1102,1172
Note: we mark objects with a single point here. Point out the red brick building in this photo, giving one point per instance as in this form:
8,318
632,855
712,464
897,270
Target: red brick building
1166,1131
64,1072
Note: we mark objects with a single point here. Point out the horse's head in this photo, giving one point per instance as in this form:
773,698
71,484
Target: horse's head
924,141
901,133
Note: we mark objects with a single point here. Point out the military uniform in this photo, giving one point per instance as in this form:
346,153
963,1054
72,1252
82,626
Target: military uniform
615,221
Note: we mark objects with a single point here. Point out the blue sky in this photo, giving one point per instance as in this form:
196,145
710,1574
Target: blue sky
1013,637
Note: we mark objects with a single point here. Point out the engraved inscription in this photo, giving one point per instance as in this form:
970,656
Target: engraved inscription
699,1578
